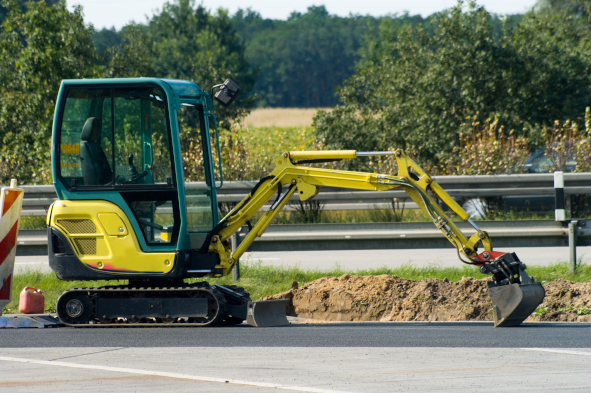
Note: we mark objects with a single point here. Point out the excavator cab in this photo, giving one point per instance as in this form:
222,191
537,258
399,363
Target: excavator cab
118,143
121,151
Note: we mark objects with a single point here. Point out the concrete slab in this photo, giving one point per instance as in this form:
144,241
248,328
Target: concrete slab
29,321
343,369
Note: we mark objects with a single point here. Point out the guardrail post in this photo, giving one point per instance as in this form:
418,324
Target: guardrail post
572,245
236,268
559,212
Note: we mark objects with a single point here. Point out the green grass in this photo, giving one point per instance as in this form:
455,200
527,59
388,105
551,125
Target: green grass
30,222
51,286
263,280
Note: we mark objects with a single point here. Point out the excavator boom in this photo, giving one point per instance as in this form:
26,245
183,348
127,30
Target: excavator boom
513,293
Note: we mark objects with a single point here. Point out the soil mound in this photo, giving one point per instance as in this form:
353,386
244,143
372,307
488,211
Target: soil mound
565,301
391,298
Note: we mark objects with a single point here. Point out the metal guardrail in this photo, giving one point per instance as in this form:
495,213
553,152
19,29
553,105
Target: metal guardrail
527,233
38,198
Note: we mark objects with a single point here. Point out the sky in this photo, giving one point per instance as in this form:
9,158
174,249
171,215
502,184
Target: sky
118,13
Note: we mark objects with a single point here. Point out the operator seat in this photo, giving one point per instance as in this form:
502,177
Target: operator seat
93,161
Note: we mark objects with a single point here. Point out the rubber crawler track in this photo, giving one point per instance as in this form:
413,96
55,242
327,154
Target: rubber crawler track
132,292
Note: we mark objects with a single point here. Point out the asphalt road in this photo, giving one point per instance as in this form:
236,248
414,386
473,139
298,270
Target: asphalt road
373,334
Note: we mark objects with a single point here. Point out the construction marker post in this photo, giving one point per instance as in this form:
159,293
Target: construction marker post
572,245
559,212
11,203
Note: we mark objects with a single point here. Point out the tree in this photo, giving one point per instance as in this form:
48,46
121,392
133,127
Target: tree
132,56
301,61
189,42
430,87
45,44
106,38
23,6
557,6
38,48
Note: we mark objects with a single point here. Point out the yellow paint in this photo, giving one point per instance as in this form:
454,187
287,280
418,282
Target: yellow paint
322,155
224,253
70,165
49,214
305,190
309,180
113,224
120,254
70,148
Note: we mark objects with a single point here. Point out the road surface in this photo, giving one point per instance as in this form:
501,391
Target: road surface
351,357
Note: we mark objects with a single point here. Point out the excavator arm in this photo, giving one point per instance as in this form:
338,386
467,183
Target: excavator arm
512,291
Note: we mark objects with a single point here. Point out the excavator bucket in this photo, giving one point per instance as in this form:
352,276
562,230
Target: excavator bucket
267,313
513,293
513,303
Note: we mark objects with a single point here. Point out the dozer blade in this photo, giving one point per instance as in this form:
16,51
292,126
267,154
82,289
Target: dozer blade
267,313
513,303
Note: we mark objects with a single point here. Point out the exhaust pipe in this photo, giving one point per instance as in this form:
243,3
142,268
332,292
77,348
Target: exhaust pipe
514,294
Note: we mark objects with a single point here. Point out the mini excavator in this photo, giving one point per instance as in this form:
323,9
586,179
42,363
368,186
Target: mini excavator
124,211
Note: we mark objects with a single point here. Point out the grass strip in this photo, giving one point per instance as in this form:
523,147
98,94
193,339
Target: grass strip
263,280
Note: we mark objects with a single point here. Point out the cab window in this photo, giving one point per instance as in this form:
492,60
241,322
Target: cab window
199,190
142,145
86,139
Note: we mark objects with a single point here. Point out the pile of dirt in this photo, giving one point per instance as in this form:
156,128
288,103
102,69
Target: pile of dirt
565,301
391,298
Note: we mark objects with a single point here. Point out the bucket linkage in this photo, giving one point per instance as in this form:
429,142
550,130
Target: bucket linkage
514,294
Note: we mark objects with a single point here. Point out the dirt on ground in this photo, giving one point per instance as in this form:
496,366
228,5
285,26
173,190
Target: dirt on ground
391,298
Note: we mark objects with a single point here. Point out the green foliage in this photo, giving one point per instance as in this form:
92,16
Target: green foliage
191,43
45,44
558,6
487,150
582,310
23,6
106,38
422,93
378,42
132,56
303,59
32,222
247,153
38,48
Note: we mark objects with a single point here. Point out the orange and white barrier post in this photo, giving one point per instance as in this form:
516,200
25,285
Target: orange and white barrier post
11,202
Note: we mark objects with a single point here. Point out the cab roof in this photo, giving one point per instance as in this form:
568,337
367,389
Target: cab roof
182,88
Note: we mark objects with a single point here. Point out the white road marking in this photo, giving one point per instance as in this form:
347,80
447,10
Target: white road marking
170,375
566,351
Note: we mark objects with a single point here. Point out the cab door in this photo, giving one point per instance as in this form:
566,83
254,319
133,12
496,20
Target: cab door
115,144
144,171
